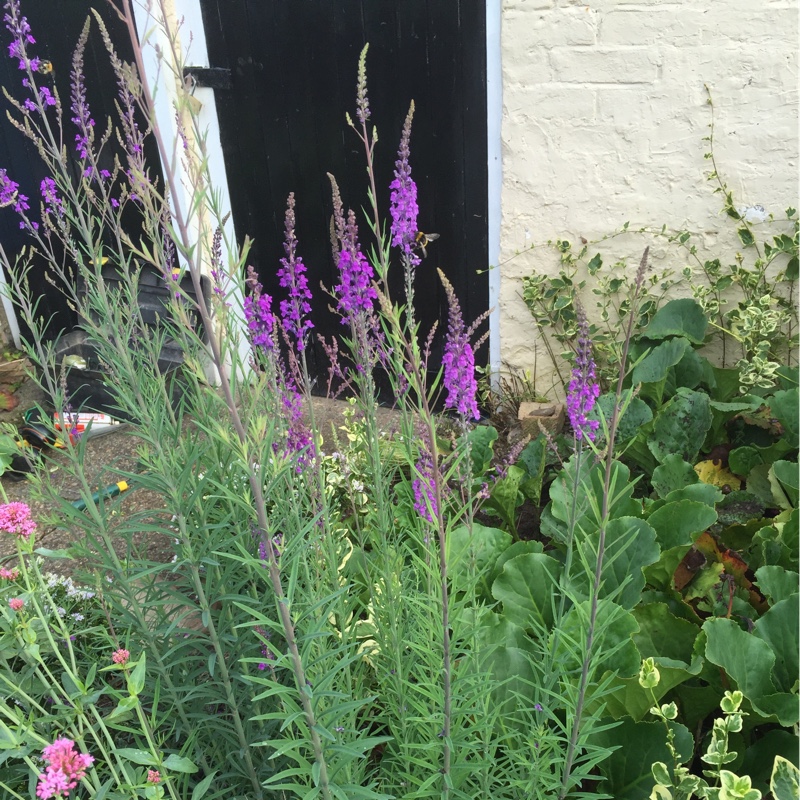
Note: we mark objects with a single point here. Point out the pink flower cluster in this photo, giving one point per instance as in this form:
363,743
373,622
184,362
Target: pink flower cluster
9,574
16,518
121,657
16,604
153,776
65,767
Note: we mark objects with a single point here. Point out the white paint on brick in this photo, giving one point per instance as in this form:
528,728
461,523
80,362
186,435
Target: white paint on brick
599,131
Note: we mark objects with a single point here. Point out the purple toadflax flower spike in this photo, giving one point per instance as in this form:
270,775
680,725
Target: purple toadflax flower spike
292,276
81,115
18,27
403,198
258,314
355,291
583,389
458,360
424,487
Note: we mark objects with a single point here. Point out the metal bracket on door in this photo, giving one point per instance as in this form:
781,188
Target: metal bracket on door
208,77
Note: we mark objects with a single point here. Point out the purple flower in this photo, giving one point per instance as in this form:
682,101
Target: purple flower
266,652
583,389
292,277
46,96
19,29
425,488
258,314
403,198
458,360
52,202
298,437
9,190
356,292
81,115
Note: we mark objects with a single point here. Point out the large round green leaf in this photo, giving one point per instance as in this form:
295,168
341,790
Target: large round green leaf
473,551
785,407
658,362
673,473
630,545
750,661
681,426
682,317
638,745
679,523
636,415
526,587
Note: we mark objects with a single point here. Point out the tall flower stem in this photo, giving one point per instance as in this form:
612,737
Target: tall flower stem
601,544
253,478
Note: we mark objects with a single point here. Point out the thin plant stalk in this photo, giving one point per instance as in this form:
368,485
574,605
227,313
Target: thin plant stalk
609,461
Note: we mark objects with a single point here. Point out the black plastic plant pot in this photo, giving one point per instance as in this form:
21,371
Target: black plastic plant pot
88,380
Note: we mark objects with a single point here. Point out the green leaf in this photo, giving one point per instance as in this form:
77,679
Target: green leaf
506,497
473,551
701,492
137,675
177,763
637,414
496,630
512,669
693,370
637,745
785,407
742,459
46,553
202,788
664,636
655,366
683,317
534,459
481,440
673,473
776,583
759,757
125,706
785,781
779,629
727,383
516,549
739,507
142,757
681,426
786,473
749,660
615,648
630,546
526,587
680,523
745,237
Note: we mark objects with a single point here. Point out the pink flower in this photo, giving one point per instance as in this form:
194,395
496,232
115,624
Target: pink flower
16,518
9,574
65,767
16,603
120,657
153,776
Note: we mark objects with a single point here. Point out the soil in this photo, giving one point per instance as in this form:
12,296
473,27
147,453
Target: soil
106,456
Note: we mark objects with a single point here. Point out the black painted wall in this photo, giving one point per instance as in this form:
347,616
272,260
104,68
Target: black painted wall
293,77
56,26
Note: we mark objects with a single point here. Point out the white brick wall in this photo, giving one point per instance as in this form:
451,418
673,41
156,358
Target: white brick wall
604,112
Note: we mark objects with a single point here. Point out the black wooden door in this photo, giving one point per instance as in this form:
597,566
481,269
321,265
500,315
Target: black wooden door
56,26
293,77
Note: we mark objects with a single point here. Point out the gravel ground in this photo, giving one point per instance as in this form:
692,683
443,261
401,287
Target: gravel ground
106,455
